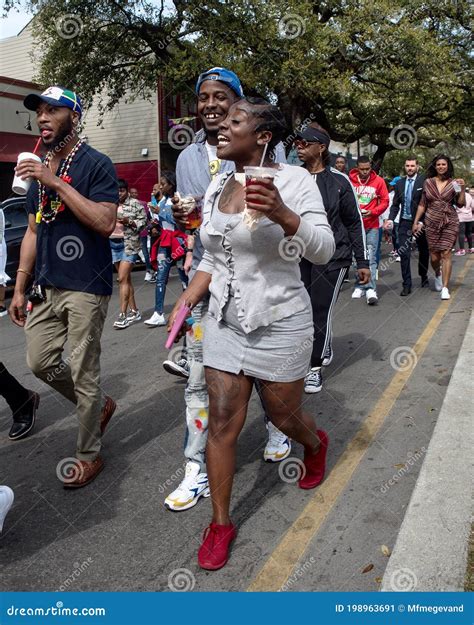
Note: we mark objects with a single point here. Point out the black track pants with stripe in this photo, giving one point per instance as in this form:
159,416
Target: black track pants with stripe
323,288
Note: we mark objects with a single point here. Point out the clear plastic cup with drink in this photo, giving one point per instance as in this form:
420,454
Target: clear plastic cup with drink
192,206
20,186
256,175
456,186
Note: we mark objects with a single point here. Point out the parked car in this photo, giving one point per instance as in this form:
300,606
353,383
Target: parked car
16,223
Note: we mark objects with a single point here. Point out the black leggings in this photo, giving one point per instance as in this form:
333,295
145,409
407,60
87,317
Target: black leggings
323,288
465,230
14,393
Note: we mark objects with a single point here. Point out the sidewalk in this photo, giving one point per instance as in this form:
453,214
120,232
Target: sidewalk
431,549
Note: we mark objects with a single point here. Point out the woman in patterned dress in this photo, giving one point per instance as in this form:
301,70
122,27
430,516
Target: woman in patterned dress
440,192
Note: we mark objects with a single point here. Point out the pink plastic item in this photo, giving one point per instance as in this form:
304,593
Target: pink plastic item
183,312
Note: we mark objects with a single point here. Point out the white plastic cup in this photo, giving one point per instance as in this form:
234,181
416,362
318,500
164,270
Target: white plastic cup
456,186
20,186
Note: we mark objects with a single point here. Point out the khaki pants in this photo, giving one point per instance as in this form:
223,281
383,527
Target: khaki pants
78,318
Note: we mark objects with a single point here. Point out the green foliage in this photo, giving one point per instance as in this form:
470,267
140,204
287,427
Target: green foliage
361,67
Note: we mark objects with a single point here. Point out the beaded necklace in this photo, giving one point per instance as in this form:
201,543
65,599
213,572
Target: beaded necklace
49,202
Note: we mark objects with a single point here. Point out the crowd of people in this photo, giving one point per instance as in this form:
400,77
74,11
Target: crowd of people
261,313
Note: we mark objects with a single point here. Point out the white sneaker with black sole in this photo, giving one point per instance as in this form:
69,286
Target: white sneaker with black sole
189,492
278,446
179,368
328,356
371,296
122,322
357,293
313,382
445,293
157,319
148,276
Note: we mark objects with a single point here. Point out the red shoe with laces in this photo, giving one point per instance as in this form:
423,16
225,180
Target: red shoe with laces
214,551
315,464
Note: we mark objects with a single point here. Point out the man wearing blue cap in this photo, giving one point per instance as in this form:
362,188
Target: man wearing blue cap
72,205
407,196
216,89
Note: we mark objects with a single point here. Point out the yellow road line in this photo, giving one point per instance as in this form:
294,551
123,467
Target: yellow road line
294,543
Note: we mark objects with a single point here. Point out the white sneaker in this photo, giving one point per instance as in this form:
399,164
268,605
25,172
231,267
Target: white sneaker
156,320
357,293
148,276
445,293
398,259
122,322
371,296
438,283
6,501
192,488
278,446
134,315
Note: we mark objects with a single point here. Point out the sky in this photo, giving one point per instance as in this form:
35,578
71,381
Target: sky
11,25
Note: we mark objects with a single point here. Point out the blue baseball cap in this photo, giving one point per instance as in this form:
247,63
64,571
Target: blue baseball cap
56,96
393,182
222,75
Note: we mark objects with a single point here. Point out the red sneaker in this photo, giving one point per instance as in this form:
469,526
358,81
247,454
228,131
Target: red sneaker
214,551
315,464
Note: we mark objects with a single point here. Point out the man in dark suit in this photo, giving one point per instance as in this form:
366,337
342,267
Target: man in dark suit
406,199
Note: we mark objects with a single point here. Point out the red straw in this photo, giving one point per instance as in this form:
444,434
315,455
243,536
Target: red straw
37,145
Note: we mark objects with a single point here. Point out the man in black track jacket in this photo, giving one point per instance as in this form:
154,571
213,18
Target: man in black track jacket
324,281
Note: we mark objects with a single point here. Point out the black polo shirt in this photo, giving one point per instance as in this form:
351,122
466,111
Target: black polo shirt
69,255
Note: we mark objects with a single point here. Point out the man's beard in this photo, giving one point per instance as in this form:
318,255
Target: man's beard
65,133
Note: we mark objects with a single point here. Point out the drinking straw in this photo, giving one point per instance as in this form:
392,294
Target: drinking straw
263,155
37,145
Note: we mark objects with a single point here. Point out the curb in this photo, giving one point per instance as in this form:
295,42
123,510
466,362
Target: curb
430,553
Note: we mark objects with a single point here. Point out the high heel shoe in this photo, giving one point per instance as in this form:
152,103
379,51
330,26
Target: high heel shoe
315,464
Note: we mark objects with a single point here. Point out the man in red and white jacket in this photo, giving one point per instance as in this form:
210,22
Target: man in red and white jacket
372,195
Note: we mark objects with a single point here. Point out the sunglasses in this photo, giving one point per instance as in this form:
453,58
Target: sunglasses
302,143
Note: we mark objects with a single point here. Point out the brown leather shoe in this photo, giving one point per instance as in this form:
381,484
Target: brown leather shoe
107,412
82,473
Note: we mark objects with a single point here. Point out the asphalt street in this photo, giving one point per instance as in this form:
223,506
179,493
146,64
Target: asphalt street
116,535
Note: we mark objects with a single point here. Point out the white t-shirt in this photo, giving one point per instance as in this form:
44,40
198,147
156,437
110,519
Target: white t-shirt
214,162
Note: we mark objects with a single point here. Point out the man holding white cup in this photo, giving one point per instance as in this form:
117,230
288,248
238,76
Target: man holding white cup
72,205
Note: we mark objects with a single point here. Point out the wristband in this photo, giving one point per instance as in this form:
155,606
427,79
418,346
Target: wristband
19,270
